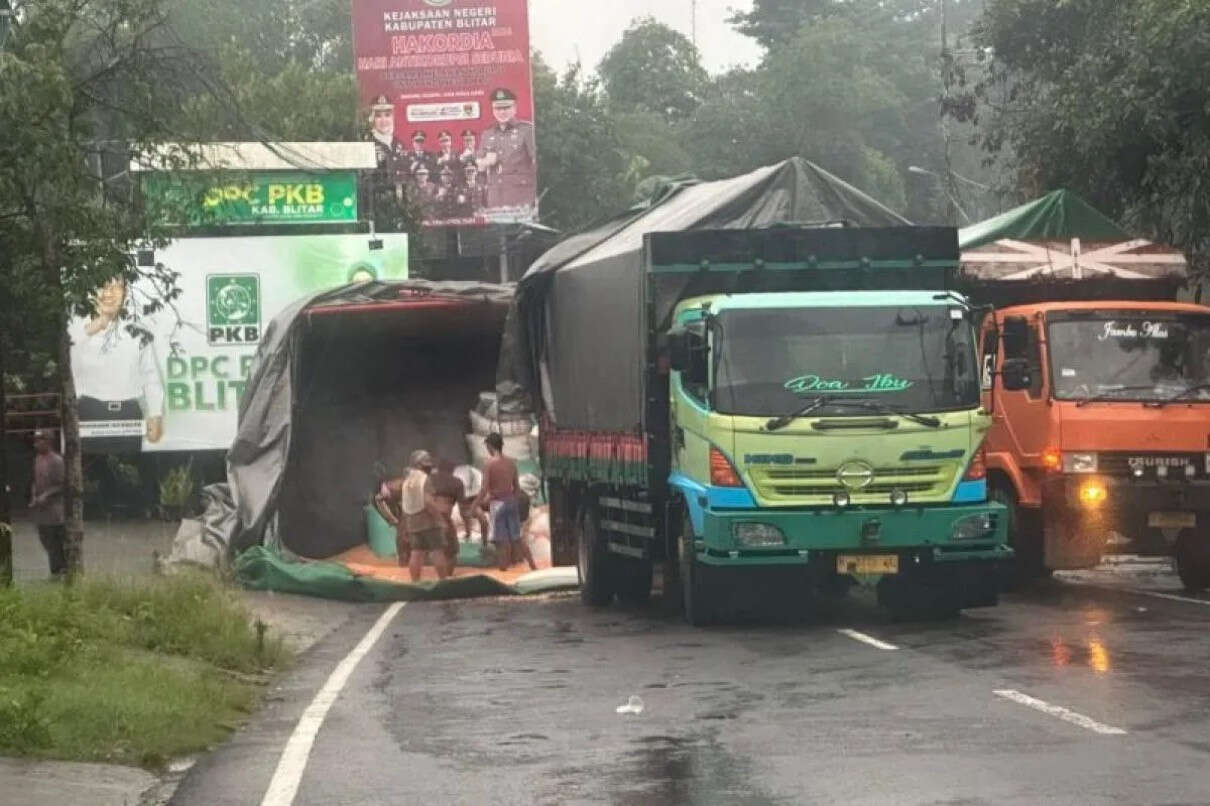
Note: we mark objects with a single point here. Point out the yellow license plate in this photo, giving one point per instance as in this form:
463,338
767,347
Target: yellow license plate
1172,520
867,564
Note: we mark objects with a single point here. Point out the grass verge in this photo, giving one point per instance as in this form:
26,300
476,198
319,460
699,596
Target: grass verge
133,672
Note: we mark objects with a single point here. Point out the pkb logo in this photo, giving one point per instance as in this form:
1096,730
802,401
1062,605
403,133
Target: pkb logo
232,309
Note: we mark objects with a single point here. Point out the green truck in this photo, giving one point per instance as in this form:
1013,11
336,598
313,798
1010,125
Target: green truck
801,400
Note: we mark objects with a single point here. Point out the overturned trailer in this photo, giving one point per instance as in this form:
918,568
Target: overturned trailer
347,382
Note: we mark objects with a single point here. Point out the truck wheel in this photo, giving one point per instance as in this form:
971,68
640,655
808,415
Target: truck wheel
634,581
694,606
1193,562
595,564
1023,536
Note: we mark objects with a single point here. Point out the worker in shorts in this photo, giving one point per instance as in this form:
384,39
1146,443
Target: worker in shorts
450,492
501,493
423,519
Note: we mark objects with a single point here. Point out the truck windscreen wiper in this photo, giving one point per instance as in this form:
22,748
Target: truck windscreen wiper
882,408
1109,394
853,403
1195,387
775,423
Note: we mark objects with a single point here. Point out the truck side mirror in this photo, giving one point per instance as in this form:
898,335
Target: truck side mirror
1016,336
1016,375
687,352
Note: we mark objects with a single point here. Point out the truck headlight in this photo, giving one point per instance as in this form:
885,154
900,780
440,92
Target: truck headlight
757,534
1079,462
1093,493
973,527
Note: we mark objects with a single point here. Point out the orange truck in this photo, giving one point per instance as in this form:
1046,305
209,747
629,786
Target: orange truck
1098,384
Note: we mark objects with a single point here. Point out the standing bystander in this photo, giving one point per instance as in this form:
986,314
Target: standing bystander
46,502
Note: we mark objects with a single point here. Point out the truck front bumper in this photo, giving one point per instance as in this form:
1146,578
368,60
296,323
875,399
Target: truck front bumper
811,536
1149,514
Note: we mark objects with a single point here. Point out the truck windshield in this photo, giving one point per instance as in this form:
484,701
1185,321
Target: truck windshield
1130,357
768,361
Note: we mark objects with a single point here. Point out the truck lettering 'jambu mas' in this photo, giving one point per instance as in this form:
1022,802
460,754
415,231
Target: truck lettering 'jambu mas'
1099,388
792,401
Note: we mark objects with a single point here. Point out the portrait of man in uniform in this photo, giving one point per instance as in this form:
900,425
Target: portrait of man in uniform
468,146
507,156
418,157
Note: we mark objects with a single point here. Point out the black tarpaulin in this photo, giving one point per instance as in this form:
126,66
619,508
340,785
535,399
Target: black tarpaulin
575,333
345,380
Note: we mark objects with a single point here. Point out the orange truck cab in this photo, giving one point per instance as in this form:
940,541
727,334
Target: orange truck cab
1100,428
1098,384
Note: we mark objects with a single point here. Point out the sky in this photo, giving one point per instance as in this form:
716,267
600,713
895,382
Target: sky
564,30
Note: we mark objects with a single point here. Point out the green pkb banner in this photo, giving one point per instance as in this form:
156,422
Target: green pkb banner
271,197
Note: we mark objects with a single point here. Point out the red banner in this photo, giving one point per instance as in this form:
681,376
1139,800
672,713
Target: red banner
445,87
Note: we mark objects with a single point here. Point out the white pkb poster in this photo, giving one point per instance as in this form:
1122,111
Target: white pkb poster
180,391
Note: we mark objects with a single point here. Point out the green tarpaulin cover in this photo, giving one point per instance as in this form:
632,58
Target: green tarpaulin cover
259,568
1058,216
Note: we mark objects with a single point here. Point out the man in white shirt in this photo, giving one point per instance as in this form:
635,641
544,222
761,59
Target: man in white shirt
121,395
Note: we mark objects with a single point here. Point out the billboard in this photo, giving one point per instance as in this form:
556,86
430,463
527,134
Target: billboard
271,197
445,87
180,390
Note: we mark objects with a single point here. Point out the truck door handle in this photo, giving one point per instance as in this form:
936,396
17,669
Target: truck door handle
678,437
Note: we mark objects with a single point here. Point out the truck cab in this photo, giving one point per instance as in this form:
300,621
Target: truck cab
841,430
1100,436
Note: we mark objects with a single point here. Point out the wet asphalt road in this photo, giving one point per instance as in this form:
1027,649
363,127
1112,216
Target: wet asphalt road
513,701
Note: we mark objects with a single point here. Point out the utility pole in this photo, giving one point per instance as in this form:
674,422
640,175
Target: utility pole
693,22
950,188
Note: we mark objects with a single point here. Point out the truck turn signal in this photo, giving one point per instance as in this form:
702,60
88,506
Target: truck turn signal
722,474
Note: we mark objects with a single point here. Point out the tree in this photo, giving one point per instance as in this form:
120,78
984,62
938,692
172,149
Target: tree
1107,99
777,22
653,68
85,87
581,164
857,85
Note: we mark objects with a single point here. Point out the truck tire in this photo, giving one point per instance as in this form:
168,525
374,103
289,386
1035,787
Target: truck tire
695,607
1023,535
598,578
1193,562
634,581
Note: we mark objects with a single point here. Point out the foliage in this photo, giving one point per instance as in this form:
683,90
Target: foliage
581,164
297,103
124,671
125,474
1105,98
653,68
178,488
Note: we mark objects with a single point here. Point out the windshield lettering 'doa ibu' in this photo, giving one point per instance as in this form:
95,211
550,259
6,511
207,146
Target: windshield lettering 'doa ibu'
878,382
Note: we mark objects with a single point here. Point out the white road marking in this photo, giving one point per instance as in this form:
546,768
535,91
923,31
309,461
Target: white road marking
866,639
1171,596
1066,714
286,779
1136,591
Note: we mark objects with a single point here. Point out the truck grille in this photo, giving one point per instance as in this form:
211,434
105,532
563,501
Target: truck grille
1120,464
816,486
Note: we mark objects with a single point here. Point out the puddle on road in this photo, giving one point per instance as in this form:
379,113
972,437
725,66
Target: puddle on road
663,770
